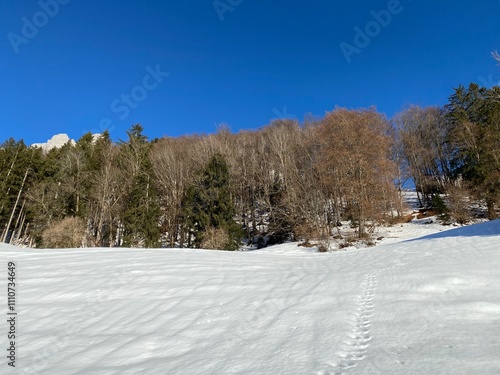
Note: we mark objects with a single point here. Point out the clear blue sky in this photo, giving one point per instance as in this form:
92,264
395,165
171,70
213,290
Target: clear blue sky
241,67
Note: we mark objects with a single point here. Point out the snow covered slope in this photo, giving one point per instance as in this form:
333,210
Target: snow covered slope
426,306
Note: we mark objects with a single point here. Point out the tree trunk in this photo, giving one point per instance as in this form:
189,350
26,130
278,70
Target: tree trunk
6,233
492,215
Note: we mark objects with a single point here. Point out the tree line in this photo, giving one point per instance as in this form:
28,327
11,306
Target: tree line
285,181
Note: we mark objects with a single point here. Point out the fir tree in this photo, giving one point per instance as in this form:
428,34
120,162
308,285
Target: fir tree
141,215
475,117
208,206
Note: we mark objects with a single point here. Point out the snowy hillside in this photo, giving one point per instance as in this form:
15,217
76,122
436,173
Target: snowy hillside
423,306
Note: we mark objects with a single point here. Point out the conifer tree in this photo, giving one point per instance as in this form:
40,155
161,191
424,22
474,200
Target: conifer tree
19,169
475,117
141,212
208,205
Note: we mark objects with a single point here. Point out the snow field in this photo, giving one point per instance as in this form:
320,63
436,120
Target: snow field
424,306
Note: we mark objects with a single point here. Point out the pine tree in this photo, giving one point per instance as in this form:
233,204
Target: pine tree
141,215
19,167
208,206
475,117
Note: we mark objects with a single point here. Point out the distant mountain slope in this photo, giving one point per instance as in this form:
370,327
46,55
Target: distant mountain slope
57,141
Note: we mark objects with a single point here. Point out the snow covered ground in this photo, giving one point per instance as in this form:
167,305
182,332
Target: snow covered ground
421,306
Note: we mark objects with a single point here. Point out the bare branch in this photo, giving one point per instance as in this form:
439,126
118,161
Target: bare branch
496,55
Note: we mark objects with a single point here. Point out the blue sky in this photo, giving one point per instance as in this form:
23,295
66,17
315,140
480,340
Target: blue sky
88,65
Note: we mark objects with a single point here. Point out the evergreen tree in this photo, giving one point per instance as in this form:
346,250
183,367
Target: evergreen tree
475,117
10,155
19,165
141,214
208,206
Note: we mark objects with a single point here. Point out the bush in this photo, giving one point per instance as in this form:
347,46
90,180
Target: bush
323,247
67,233
401,219
440,207
457,202
215,239
306,243
324,244
261,242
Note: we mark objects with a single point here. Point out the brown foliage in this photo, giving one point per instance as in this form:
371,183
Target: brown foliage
215,239
458,198
67,233
353,163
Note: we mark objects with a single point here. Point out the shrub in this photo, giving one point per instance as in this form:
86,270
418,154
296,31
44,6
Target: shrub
67,233
457,203
440,207
215,239
324,244
323,247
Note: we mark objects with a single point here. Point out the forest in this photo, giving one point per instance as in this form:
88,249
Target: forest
284,181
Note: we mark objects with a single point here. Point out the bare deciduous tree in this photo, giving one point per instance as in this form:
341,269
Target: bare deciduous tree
354,162
424,135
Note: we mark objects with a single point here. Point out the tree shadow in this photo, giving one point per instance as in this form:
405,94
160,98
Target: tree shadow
487,229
